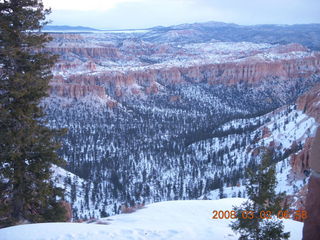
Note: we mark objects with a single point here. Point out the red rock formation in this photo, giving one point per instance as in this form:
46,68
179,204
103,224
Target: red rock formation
91,66
88,52
298,203
311,228
175,98
256,71
266,132
112,104
68,209
64,66
228,73
315,153
76,91
300,161
81,53
153,89
310,103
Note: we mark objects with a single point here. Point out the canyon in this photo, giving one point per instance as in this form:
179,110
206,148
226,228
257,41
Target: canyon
169,118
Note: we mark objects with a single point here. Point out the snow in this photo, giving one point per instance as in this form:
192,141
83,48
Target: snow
228,192
286,127
185,220
127,31
299,126
133,49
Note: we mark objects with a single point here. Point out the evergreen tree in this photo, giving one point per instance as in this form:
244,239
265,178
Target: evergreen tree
27,146
257,217
221,194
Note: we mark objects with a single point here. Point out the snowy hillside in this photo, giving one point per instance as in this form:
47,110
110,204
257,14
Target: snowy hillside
176,220
150,122
211,162
285,130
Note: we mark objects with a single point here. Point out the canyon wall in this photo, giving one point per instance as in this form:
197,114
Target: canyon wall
311,228
125,66
147,81
309,103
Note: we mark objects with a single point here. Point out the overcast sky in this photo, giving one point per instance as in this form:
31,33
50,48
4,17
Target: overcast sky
119,14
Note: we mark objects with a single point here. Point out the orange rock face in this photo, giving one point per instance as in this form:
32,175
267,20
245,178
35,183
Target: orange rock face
255,71
174,98
311,229
300,161
310,103
229,73
68,209
112,104
308,200
76,91
266,132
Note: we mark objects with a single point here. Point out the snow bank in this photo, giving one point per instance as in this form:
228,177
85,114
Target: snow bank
178,220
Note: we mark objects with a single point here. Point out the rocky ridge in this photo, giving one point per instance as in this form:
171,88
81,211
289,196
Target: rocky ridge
91,65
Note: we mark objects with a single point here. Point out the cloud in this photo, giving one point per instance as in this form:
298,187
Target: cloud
115,14
84,5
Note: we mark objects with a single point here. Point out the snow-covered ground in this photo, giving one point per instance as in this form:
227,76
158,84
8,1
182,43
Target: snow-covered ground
178,220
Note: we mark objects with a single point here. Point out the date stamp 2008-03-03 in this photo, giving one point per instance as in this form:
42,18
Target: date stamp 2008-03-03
299,215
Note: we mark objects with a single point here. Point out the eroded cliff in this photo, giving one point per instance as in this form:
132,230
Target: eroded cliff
133,67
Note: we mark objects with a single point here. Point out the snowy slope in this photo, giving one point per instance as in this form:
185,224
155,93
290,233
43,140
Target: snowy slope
213,163
279,130
185,220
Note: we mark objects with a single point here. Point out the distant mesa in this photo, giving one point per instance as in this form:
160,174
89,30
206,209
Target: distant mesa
82,29
305,34
66,28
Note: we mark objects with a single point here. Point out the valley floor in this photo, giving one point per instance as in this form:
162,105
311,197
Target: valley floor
185,220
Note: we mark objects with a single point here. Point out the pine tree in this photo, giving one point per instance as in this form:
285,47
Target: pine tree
27,146
221,194
257,217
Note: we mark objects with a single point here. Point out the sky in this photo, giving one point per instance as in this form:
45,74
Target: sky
124,14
